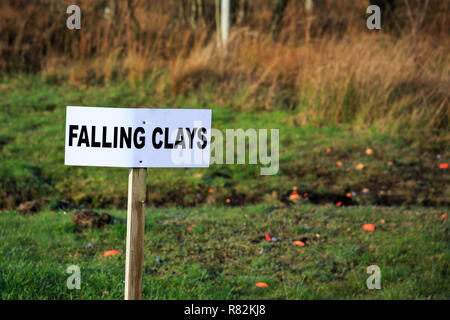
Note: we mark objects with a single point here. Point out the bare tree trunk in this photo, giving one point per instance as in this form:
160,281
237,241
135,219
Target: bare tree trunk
110,10
182,11
243,8
225,21
277,16
133,17
309,5
194,14
201,12
218,25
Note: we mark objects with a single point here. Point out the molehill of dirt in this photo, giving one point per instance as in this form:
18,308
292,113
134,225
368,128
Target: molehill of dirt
31,207
91,219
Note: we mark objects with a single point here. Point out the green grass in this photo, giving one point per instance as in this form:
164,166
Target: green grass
402,169
220,258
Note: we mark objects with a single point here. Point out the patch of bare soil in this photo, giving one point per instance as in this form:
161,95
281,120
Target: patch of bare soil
91,219
31,207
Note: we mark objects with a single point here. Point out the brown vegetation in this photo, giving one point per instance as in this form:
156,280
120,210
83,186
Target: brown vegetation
91,219
324,63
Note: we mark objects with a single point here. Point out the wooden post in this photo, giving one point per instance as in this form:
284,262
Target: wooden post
135,233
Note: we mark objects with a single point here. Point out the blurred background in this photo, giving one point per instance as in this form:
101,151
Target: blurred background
287,64
364,139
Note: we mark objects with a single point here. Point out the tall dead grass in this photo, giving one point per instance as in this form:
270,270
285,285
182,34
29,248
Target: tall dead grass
365,79
325,67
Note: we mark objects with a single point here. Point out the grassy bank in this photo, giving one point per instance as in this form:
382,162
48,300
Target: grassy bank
220,253
325,162
322,161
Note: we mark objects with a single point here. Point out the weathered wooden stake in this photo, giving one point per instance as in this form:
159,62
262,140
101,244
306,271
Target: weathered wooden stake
135,233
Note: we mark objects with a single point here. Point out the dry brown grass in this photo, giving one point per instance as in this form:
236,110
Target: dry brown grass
328,68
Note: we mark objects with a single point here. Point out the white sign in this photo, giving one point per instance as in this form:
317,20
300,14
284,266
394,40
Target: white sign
137,138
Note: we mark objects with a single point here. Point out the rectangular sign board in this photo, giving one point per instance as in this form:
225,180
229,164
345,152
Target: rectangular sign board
137,138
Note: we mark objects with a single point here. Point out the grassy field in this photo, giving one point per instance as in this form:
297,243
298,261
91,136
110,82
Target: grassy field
363,121
220,253
326,162
229,207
